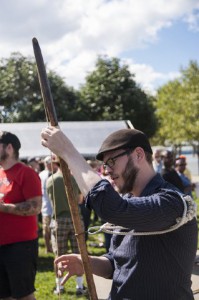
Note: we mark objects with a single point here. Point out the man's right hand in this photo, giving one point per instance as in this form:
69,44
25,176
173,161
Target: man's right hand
70,263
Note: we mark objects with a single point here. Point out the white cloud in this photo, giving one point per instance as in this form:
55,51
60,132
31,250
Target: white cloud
193,21
72,33
148,78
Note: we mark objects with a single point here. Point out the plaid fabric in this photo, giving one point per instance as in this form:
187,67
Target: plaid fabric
46,224
61,234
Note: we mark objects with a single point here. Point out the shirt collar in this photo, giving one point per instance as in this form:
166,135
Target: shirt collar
155,183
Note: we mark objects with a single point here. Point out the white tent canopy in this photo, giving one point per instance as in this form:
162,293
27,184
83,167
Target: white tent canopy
86,136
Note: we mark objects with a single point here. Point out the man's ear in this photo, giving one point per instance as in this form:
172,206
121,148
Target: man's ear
9,148
139,153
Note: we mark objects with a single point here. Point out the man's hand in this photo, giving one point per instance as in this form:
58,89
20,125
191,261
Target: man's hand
54,139
71,263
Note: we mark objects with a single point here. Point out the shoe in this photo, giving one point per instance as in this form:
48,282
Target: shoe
58,291
80,292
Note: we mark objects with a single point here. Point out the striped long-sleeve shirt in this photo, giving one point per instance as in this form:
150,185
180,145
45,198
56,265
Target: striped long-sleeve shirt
154,267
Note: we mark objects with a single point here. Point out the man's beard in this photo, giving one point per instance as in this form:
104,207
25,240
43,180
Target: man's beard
3,155
129,176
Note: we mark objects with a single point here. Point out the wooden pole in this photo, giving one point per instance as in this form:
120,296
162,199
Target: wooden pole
74,208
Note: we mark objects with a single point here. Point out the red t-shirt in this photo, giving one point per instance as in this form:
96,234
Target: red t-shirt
18,184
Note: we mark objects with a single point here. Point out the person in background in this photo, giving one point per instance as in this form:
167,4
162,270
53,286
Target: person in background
105,175
157,161
187,172
85,212
33,163
95,166
46,210
152,255
20,203
86,216
62,230
168,171
180,167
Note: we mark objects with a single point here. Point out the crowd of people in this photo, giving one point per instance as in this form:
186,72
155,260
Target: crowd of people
145,193
32,190
173,169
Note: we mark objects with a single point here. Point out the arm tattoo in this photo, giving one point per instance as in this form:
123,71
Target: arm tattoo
26,208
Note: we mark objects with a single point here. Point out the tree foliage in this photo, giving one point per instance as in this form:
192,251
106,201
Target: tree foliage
20,94
110,93
177,108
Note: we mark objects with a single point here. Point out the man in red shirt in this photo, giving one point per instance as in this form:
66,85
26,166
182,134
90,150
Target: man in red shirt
20,203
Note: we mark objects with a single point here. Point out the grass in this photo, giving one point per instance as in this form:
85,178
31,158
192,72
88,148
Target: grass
197,203
45,279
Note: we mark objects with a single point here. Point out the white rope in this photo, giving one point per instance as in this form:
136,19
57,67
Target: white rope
188,214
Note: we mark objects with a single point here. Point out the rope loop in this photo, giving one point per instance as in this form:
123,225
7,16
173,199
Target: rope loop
189,213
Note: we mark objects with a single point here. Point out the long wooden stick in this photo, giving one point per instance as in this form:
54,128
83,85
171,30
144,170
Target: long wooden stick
74,208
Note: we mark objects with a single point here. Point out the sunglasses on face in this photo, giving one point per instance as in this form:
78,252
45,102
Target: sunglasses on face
111,161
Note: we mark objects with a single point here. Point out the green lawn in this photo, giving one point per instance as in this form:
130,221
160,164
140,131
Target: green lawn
45,279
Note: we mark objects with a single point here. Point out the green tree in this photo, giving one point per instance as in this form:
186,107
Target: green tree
177,108
110,93
20,94
190,92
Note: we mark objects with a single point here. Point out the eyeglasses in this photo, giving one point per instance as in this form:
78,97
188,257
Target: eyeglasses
111,161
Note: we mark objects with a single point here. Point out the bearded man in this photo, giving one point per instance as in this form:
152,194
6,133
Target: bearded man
154,259
20,203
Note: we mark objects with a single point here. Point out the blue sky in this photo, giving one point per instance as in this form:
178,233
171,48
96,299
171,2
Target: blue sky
176,46
154,37
173,50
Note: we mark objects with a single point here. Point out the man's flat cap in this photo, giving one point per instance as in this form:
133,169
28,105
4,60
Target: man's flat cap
124,139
